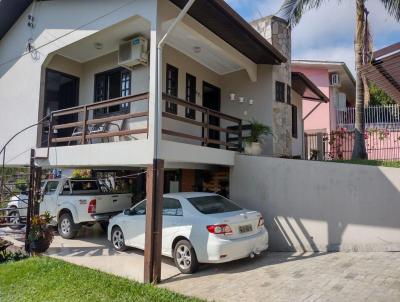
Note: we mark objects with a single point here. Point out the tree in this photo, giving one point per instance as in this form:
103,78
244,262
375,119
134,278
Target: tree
293,10
378,97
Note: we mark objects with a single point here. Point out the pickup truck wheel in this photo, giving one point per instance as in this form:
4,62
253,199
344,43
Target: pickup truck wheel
15,220
66,227
185,257
117,239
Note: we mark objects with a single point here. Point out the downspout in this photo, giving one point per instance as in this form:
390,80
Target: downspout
160,45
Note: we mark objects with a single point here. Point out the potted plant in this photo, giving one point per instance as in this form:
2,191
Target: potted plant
40,235
252,145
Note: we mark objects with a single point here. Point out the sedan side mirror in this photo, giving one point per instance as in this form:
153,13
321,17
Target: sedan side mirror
127,212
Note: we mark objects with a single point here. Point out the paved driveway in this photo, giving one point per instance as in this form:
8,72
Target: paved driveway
269,277
92,249
297,277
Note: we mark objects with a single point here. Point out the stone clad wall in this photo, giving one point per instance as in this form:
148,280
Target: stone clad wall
277,32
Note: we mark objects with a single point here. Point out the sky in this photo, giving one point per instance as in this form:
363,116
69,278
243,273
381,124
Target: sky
328,32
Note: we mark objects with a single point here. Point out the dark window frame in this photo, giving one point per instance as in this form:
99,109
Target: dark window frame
178,210
191,87
171,87
102,93
53,190
280,91
294,122
288,94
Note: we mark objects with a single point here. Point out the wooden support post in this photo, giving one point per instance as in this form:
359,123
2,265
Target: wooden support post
37,196
29,211
206,127
153,235
84,130
50,134
240,137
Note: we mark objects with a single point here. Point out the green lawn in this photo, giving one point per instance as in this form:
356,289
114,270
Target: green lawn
382,163
47,279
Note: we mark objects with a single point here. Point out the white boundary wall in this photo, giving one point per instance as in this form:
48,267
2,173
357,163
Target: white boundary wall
321,206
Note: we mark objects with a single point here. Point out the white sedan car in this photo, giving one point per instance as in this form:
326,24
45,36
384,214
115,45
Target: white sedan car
197,228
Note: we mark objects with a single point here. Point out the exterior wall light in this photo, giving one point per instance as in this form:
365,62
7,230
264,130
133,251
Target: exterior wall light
98,45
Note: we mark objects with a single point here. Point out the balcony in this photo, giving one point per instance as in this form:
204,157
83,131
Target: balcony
93,123
380,117
112,129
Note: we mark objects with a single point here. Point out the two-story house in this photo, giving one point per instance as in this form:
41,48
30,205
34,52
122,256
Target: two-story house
116,97
335,80
162,85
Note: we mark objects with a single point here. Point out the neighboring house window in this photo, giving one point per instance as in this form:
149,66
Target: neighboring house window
190,95
288,94
294,121
112,84
280,91
172,88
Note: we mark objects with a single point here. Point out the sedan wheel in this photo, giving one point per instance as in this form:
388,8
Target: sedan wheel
117,239
185,257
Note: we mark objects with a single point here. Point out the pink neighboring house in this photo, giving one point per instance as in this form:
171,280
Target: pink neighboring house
335,80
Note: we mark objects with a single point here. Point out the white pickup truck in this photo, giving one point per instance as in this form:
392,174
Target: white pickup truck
76,202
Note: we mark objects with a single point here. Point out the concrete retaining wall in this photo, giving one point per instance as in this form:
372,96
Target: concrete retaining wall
320,206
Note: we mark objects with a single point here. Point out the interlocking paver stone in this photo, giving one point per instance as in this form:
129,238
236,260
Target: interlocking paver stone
297,277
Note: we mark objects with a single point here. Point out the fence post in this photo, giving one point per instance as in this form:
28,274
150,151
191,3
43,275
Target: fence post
306,147
3,174
320,146
29,211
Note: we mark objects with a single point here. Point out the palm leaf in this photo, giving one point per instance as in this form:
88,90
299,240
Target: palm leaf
392,7
293,10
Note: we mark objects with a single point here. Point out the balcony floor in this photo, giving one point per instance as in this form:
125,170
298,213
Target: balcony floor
134,154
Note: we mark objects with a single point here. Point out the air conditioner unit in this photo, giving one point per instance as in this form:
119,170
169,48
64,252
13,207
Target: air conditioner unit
133,52
335,79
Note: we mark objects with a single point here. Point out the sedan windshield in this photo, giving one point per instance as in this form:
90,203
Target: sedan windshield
213,204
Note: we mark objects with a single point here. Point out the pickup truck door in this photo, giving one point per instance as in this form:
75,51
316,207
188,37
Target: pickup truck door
49,202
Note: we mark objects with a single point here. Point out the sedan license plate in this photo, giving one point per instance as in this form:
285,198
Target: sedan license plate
245,228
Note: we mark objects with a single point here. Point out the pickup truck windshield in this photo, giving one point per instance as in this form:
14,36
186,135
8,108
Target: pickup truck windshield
213,204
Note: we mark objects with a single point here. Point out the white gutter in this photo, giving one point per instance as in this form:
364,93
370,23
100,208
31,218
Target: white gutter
158,108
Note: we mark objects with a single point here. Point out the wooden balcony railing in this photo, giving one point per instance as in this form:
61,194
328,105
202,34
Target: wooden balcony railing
232,130
89,124
84,123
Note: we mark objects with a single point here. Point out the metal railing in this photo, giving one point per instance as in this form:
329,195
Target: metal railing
381,144
387,117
